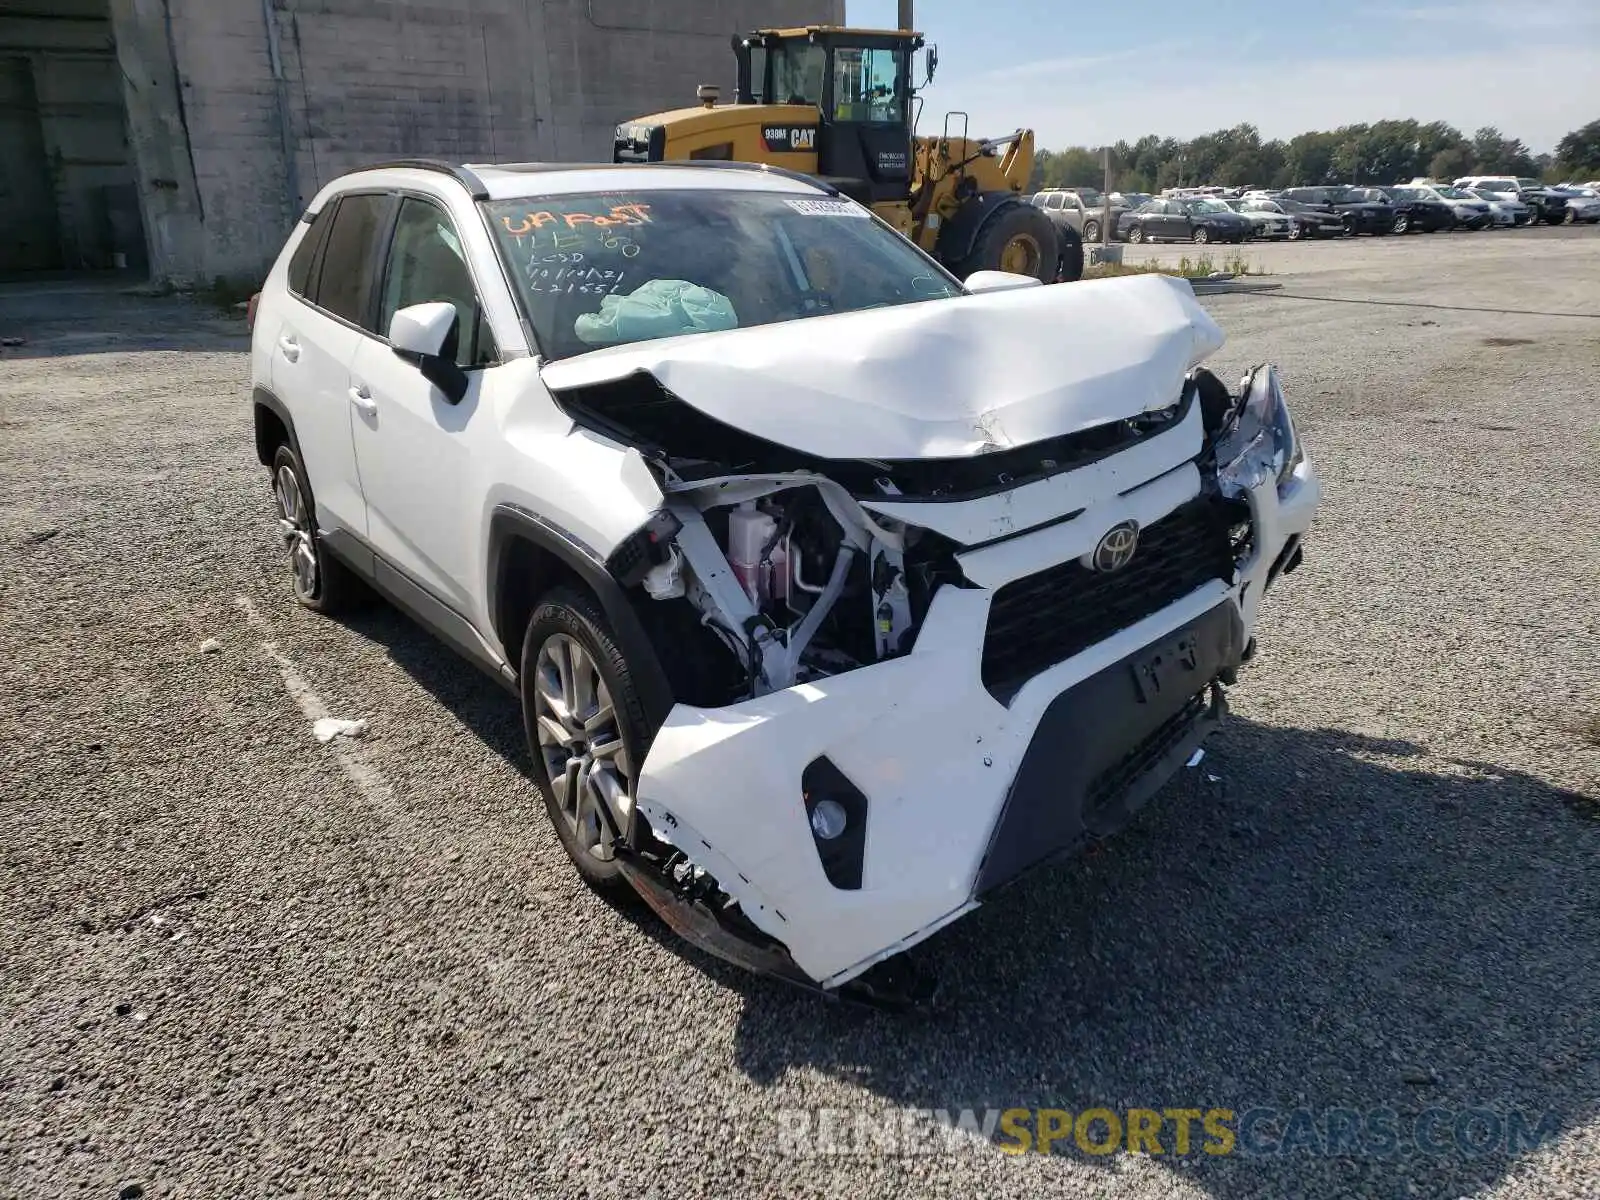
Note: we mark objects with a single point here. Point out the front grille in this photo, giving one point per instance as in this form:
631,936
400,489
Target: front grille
1046,618
1113,783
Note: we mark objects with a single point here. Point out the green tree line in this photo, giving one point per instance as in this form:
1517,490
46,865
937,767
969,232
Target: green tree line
1381,153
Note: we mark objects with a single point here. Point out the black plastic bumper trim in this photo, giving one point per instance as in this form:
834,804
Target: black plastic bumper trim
1121,715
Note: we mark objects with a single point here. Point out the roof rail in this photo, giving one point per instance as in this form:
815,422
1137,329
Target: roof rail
822,185
461,174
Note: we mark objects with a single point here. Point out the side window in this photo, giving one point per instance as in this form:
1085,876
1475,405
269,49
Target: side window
305,254
347,263
427,262
1056,201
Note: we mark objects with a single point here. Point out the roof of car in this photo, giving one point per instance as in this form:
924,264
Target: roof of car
507,181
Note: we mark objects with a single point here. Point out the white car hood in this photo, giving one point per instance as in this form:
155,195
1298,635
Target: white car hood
939,379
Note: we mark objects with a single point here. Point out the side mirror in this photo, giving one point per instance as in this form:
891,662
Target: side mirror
999,281
932,61
420,334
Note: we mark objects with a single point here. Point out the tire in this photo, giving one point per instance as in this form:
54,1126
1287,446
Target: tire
1201,236
1296,232
569,639
1571,218
1069,257
1136,235
1018,234
320,581
1091,231
1402,224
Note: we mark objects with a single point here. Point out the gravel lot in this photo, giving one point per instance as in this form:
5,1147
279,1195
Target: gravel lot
234,961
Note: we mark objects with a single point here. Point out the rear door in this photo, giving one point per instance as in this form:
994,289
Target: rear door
411,440
322,330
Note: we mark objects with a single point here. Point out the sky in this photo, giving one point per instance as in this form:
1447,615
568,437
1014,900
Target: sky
1088,74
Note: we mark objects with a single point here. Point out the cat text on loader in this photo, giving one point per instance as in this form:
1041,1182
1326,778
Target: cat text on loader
837,104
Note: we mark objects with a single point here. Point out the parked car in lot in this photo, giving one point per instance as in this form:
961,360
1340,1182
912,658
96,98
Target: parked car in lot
1506,214
1415,211
1358,215
1466,210
1311,220
1270,221
1130,200
1191,220
1548,206
1081,209
696,462
1580,207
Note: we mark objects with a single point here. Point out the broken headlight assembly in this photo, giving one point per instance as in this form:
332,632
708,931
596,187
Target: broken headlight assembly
1261,443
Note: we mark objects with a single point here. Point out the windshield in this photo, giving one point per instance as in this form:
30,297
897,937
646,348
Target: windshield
1455,193
1529,183
1262,206
602,269
868,86
1205,206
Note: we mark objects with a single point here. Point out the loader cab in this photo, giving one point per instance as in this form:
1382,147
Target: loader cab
860,83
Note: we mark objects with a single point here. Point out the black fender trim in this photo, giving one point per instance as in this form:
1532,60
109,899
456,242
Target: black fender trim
265,398
960,232
509,522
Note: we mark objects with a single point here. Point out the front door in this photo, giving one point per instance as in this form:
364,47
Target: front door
411,441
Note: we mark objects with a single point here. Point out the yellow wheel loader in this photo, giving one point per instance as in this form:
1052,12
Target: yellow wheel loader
838,104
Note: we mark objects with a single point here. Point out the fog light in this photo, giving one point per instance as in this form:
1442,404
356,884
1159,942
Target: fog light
828,819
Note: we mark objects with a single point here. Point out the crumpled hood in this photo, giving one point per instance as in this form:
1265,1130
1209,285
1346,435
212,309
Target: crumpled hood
941,379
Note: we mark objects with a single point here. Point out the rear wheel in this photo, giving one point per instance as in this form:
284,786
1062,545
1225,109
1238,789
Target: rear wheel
1091,231
585,726
1402,223
320,581
1136,234
1020,239
1200,236
1296,232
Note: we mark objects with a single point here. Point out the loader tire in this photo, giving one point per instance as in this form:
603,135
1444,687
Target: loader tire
1069,258
1018,238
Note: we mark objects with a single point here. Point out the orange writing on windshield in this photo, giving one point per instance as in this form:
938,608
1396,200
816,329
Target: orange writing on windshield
620,214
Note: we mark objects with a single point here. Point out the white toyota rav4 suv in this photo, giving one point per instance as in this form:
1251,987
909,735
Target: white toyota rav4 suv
836,592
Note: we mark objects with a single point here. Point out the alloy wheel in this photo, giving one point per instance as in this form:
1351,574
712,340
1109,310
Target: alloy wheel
294,527
581,742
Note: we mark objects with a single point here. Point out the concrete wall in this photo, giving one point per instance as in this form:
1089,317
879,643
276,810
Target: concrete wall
241,109
68,188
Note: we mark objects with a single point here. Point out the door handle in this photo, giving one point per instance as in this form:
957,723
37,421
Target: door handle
290,347
362,399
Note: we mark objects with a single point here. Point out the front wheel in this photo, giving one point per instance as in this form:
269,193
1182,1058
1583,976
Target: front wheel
1200,236
585,726
1136,234
1020,239
1571,218
1295,232
1402,224
1091,231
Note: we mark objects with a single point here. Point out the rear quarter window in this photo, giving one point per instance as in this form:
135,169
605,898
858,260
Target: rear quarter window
305,254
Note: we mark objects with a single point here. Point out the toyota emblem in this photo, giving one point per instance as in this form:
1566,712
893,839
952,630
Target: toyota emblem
1115,549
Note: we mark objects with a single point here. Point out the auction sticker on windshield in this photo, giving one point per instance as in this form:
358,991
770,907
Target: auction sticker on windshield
828,208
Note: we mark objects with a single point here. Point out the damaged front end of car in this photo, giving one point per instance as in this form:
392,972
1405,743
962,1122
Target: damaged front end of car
903,679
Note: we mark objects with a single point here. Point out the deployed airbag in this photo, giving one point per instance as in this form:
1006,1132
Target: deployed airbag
936,379
657,309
